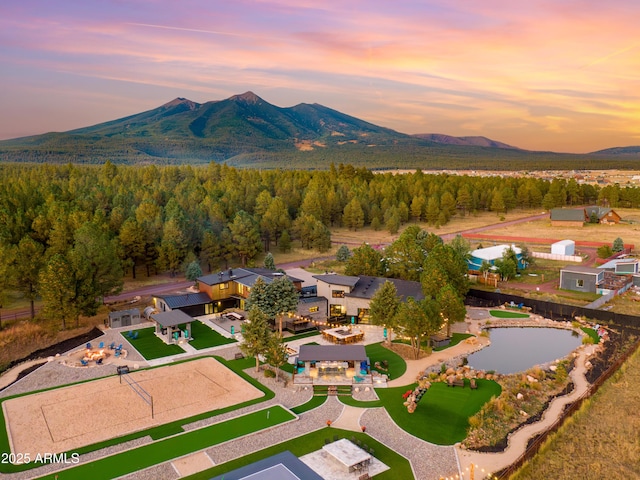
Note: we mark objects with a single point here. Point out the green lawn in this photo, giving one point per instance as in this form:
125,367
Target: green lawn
442,416
148,455
315,401
205,337
592,333
507,314
301,335
399,466
150,346
456,338
377,353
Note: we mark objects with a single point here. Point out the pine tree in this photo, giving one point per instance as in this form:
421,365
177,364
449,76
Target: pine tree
384,307
343,254
269,262
255,335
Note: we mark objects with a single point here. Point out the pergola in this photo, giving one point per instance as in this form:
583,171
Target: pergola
333,363
167,325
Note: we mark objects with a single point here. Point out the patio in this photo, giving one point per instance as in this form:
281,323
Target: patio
332,365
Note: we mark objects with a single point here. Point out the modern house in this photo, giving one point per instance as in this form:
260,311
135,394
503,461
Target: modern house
491,254
348,297
622,266
577,217
219,291
581,279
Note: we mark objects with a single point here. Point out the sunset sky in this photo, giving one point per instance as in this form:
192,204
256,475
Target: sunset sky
560,75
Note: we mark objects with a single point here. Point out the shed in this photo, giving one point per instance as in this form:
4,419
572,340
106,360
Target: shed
491,254
124,318
563,247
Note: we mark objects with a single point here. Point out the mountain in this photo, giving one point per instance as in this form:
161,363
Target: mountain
628,151
247,131
217,130
467,141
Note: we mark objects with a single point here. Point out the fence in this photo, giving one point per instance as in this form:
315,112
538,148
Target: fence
557,256
554,311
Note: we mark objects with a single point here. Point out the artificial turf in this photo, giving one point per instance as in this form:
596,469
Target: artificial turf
507,314
592,333
378,353
442,416
148,455
150,346
205,337
315,402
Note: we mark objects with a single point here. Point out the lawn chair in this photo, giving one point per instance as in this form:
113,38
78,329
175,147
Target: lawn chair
119,347
112,346
84,362
117,353
130,333
135,335
101,345
88,345
99,361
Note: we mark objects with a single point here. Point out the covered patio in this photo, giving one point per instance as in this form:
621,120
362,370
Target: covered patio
332,365
168,326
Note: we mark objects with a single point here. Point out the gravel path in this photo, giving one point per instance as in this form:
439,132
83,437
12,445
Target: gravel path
427,460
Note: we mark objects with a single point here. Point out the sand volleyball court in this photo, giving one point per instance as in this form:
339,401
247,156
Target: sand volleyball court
67,418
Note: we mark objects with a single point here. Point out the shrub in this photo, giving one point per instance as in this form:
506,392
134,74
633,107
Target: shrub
605,251
587,340
270,374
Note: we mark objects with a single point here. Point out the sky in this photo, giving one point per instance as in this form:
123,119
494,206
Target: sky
554,75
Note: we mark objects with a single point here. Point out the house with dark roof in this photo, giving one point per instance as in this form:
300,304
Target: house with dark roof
577,217
220,291
348,297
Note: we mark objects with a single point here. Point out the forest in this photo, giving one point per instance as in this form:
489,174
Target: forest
69,233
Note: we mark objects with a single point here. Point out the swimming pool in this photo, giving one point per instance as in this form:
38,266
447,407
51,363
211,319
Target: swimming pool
518,349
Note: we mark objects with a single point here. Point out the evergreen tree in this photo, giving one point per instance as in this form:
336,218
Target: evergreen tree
285,242
353,215
269,262
343,254
275,353
133,240
28,261
193,271
255,335
384,307
452,307
58,290
245,235
418,319
365,261
618,245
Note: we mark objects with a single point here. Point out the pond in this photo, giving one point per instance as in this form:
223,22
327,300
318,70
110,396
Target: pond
518,349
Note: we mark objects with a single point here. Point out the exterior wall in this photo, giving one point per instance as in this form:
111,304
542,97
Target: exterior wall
316,309
610,217
161,305
563,248
117,320
553,256
353,304
326,290
569,281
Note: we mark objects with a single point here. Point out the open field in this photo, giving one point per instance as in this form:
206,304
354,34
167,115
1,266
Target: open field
481,219
71,417
601,439
630,233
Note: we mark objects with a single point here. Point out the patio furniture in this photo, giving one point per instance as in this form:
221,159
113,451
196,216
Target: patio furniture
130,333
455,382
84,362
99,361
135,335
473,384
112,346
117,353
101,345
88,345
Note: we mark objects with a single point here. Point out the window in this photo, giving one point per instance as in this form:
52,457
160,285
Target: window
337,293
580,283
314,309
224,286
336,310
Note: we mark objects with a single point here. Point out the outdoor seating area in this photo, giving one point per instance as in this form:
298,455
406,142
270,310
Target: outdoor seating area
332,365
343,335
352,457
91,356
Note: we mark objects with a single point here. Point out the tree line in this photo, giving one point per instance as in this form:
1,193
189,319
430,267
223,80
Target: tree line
83,226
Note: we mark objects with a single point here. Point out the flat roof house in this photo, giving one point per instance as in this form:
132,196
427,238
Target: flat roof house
581,279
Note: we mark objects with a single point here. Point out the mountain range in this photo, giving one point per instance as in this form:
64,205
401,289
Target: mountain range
245,130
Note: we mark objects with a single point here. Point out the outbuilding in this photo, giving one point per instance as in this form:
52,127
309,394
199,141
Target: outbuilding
124,318
168,326
563,247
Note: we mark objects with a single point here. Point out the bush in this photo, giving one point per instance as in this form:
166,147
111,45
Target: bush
605,251
587,340
270,374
